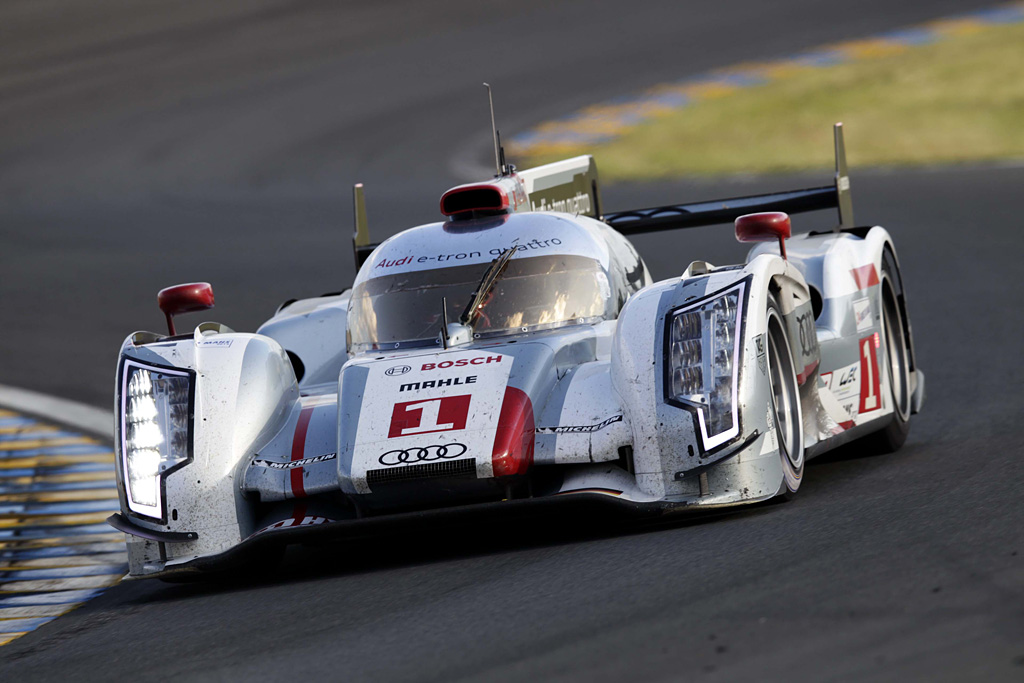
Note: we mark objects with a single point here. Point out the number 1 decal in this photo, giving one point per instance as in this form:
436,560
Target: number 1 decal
442,414
869,385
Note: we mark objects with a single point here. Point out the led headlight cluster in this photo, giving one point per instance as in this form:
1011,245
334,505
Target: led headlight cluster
702,362
156,425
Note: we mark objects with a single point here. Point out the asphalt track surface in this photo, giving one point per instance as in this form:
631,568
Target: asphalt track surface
180,141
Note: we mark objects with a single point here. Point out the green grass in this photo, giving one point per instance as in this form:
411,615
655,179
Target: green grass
958,100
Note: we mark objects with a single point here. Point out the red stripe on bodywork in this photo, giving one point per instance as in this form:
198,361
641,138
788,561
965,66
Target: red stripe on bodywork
865,276
846,425
299,513
298,450
802,377
514,437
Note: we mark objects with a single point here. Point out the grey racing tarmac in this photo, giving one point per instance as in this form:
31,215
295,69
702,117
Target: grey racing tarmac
142,147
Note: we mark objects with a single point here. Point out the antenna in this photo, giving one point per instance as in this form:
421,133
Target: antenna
501,155
494,133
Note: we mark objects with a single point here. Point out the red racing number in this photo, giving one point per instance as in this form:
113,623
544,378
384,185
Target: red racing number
443,414
869,385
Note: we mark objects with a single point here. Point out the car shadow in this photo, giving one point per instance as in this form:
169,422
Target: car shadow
395,550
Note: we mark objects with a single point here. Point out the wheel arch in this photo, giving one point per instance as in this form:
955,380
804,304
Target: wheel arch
890,262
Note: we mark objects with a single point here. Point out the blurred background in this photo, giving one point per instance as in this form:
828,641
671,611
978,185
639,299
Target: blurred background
146,143
149,143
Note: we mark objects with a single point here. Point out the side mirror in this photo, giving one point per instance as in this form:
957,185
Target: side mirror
186,298
764,227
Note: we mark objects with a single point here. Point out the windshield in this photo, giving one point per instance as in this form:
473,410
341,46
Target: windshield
540,292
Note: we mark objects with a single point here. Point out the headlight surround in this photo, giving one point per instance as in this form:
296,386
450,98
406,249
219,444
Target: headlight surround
702,359
156,408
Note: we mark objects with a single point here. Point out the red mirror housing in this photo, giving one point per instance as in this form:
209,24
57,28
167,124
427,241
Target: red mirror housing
192,296
764,227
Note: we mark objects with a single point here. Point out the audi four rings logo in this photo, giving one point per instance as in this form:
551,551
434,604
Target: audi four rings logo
397,370
409,456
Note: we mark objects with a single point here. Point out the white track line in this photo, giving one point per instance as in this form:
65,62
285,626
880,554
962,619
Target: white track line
79,415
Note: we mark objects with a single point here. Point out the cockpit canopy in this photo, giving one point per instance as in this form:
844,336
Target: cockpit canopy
562,273
533,293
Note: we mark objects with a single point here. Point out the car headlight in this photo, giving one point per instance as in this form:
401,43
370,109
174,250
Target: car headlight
156,431
702,362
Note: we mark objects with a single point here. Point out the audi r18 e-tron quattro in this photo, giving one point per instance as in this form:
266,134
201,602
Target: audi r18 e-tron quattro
515,354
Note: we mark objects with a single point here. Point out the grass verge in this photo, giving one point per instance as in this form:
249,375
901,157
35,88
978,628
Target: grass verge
957,100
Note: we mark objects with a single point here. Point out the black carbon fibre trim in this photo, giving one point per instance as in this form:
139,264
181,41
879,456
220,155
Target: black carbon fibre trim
122,523
432,470
718,211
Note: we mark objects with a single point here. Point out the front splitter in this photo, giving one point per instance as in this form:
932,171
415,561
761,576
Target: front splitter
564,507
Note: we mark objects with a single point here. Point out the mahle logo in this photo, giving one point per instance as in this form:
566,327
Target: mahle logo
397,370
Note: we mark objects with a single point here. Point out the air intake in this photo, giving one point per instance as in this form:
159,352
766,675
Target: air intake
450,469
501,195
474,198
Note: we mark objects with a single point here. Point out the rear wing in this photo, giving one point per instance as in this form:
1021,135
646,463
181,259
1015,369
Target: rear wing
717,211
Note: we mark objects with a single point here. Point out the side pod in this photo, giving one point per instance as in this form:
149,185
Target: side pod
201,504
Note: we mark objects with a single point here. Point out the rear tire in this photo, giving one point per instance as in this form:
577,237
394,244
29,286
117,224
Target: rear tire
786,411
897,364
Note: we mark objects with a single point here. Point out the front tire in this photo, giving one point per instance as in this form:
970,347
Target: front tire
786,411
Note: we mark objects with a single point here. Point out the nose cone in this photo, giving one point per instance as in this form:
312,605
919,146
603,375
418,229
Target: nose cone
430,416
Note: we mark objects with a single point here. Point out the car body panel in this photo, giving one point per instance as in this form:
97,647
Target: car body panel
294,428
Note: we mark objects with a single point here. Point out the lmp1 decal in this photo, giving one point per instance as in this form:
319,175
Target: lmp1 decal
862,314
443,414
762,357
870,391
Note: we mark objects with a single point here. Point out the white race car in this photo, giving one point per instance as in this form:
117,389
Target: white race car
516,354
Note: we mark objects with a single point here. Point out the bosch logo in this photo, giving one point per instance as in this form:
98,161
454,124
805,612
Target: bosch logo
461,362
397,370
409,456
